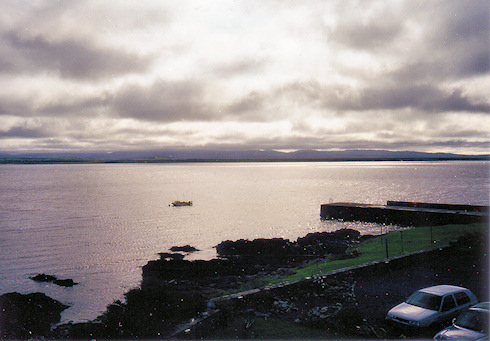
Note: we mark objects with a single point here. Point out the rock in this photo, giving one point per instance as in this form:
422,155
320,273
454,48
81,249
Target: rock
257,248
90,330
168,269
43,278
65,282
49,278
168,256
329,242
277,250
28,316
186,248
283,307
346,234
260,314
320,237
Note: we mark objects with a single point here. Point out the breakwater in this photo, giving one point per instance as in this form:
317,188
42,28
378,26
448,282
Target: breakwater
407,213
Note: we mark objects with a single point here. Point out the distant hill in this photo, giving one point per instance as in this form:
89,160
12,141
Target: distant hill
239,155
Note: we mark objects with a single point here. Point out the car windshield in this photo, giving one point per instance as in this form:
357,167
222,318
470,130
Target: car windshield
425,300
474,320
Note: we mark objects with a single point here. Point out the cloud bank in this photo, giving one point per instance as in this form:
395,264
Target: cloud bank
397,75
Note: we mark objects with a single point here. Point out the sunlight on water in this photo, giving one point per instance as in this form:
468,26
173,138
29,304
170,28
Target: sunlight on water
98,224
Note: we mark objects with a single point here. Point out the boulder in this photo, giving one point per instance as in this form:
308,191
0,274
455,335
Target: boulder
43,278
65,282
257,247
49,278
168,269
169,256
185,248
335,242
28,316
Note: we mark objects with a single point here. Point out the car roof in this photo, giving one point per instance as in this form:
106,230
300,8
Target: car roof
443,289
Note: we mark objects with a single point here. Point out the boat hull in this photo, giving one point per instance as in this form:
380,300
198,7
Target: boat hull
182,203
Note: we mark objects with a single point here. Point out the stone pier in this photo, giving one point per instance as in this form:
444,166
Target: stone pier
407,213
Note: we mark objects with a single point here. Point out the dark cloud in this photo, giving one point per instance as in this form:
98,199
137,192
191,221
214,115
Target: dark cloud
421,97
455,63
460,34
21,132
455,43
364,32
164,101
12,107
249,107
61,106
454,132
424,97
74,106
430,41
72,59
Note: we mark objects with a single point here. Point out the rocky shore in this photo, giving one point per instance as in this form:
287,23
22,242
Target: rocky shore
181,299
28,316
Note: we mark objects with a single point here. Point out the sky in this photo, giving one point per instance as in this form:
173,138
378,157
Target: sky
225,75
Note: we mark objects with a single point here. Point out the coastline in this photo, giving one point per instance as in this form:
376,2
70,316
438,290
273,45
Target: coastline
343,304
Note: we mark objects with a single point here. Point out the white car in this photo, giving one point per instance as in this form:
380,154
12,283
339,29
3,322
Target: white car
432,305
470,325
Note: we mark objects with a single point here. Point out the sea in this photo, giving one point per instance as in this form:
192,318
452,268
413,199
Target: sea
98,224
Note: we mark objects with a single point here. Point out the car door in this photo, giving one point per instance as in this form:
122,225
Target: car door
449,308
463,300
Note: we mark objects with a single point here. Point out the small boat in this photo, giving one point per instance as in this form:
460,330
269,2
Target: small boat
182,203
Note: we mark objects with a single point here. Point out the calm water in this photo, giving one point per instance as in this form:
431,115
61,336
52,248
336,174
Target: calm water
98,224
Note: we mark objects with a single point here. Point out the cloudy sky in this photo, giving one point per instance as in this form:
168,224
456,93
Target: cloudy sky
328,75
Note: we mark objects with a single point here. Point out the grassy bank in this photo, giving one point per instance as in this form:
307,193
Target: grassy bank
398,243
373,298
392,244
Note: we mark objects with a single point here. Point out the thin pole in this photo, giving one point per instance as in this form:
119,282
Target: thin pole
401,239
386,244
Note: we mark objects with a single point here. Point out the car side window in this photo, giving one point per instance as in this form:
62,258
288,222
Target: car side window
448,303
461,298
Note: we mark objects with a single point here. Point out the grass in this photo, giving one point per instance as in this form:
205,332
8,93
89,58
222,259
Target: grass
399,243
396,243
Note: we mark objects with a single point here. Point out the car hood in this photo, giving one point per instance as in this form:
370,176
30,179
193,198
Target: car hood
411,312
458,333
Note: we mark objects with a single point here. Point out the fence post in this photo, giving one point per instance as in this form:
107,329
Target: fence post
326,255
401,240
386,244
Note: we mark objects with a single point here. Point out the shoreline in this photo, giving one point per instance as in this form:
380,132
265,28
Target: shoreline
187,289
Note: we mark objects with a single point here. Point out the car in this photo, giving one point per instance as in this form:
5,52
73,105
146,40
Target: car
432,305
470,325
